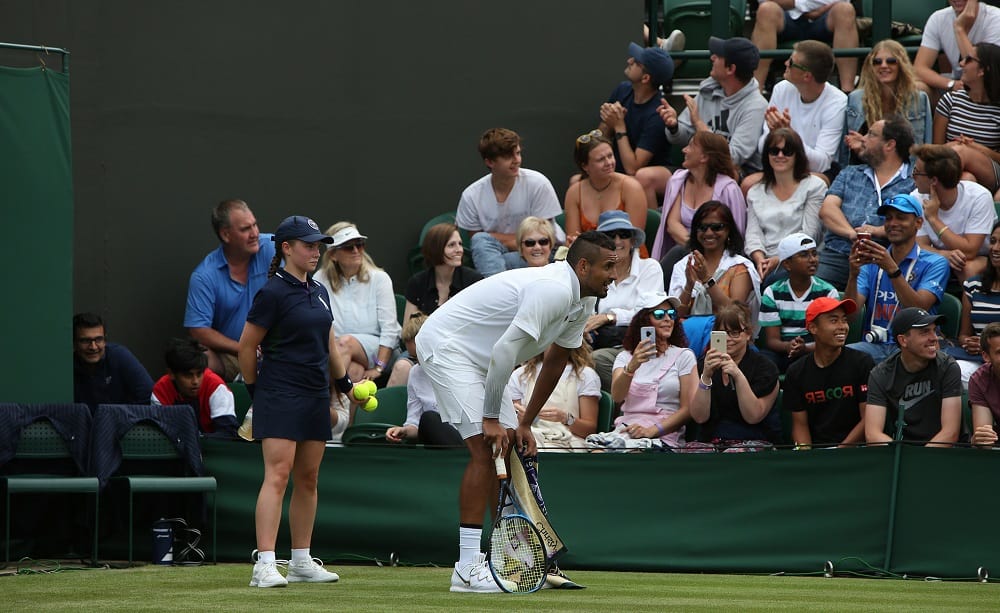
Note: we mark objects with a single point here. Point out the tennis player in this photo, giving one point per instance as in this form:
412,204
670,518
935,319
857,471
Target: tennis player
291,321
469,347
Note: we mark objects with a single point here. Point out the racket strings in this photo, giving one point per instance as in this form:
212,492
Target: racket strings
518,554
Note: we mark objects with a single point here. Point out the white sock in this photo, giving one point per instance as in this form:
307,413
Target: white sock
300,555
265,557
468,544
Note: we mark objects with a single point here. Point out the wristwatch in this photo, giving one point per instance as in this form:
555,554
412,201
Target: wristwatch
897,273
951,85
710,283
611,318
620,135
570,420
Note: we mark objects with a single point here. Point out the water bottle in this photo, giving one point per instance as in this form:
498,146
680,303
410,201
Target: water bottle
163,542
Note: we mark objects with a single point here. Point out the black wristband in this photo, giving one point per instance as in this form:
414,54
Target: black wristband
895,275
251,387
344,384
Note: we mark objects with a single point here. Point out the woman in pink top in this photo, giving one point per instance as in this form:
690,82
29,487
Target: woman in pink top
708,174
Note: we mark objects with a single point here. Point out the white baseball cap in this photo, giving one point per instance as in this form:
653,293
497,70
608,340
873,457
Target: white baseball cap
789,246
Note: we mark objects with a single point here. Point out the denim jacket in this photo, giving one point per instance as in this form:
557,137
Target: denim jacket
919,116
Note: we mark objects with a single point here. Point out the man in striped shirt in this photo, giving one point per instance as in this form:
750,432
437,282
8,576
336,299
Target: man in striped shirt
784,303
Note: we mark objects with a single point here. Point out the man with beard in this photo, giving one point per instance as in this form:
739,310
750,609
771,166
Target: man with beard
919,381
469,347
900,277
103,372
853,200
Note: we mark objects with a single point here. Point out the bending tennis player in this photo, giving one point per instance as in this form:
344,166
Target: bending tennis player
469,347
291,321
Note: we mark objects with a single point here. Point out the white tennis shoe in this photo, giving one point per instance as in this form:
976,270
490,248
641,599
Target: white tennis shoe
476,577
310,571
265,574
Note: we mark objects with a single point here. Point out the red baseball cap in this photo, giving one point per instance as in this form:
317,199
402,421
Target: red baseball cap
824,305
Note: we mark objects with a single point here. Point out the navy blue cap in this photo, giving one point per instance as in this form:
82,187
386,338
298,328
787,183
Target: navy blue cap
300,228
656,62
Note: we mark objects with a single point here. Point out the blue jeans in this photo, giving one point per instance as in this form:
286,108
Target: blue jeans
878,351
489,256
833,268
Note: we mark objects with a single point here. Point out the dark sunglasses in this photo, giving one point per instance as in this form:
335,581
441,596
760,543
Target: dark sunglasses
714,227
359,245
620,233
878,61
659,314
969,58
787,151
530,242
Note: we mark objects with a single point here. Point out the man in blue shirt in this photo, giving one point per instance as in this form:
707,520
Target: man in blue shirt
850,205
103,372
888,280
223,285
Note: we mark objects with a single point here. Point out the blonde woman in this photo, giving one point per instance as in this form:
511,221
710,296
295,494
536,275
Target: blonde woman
362,301
888,87
535,241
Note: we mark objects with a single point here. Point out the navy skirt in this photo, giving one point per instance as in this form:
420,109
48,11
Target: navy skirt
284,414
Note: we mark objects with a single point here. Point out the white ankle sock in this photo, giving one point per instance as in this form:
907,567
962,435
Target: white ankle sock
468,544
300,555
266,557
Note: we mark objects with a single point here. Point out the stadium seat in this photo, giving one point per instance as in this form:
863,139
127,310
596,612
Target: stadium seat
400,307
605,412
652,227
951,308
242,398
43,450
694,18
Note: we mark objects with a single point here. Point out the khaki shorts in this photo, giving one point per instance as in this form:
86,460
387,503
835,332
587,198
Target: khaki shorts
231,366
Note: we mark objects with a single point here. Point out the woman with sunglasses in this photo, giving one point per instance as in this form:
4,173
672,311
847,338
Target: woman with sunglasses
600,188
888,86
535,240
969,119
655,379
735,395
708,174
362,301
634,278
715,274
784,202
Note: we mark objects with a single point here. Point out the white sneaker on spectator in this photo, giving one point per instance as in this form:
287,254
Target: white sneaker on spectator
674,42
310,571
475,577
265,574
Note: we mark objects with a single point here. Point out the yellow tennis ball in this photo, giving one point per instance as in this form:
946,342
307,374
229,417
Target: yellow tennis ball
361,392
371,405
372,388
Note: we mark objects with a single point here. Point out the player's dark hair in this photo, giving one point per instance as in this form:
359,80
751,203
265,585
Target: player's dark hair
588,247
220,214
184,354
87,320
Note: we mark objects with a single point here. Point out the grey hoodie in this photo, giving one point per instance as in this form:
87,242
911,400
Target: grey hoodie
740,118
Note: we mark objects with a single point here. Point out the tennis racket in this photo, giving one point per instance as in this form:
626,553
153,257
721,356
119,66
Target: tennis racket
517,556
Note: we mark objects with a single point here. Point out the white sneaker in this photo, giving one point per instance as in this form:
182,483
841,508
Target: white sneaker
674,42
476,577
310,571
265,574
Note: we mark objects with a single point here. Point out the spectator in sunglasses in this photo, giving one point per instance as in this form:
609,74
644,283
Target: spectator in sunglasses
363,304
786,201
953,31
655,380
888,87
969,119
535,241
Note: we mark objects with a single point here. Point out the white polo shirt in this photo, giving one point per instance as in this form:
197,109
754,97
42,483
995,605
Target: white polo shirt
544,302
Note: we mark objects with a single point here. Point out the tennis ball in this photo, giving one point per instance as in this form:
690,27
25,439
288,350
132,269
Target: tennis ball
361,391
371,405
372,388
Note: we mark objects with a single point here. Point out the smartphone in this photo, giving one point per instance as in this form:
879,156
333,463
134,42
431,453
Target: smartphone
864,236
647,333
719,340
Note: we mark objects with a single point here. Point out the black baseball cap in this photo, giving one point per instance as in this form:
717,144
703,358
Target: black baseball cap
913,317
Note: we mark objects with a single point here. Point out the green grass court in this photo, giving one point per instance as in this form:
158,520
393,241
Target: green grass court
371,588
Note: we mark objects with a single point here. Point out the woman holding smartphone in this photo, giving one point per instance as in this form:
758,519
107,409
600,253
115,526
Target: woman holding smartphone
736,393
290,320
655,378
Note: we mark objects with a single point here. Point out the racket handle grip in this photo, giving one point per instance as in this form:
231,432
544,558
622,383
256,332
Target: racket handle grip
500,466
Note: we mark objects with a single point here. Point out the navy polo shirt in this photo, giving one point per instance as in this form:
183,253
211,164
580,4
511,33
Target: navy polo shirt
296,349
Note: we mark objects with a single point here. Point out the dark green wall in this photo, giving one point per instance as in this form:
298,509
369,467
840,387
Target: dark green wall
363,111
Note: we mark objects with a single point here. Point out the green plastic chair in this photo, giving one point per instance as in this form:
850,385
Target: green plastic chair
242,399
400,307
605,412
951,308
40,442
